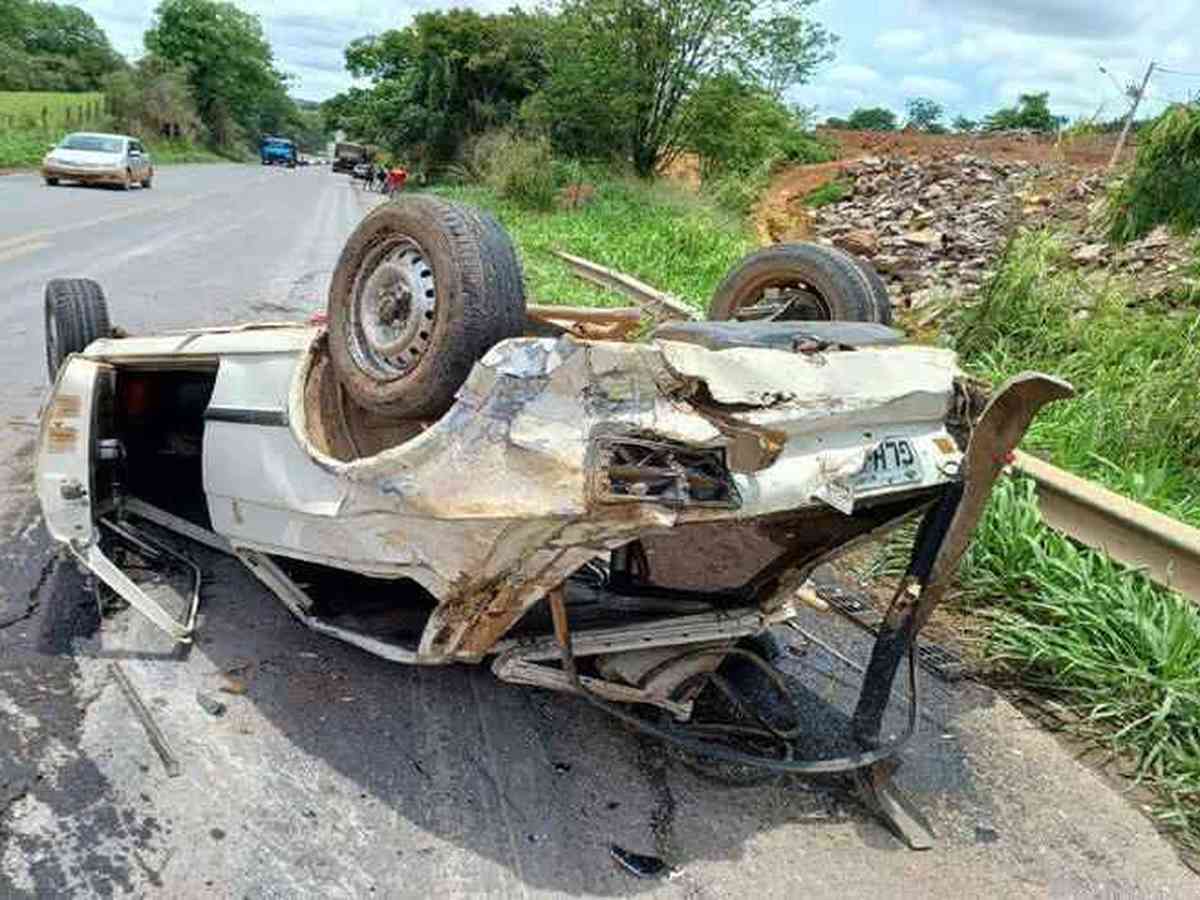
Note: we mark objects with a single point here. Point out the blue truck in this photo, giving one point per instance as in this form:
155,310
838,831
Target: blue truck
277,151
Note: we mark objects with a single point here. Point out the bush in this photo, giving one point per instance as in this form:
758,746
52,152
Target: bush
739,191
520,169
830,192
1134,422
1164,186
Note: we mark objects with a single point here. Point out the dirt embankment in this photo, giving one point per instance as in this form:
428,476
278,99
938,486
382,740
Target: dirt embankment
932,212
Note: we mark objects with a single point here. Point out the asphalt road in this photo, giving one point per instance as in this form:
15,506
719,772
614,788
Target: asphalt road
335,774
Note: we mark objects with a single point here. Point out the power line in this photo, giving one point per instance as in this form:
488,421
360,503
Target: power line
1177,72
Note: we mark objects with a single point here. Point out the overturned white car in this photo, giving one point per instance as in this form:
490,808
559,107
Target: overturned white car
441,475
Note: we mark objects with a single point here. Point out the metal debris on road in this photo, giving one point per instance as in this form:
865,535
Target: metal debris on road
210,704
642,866
157,738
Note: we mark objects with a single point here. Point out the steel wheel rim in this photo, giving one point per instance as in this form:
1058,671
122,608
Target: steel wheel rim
785,300
393,309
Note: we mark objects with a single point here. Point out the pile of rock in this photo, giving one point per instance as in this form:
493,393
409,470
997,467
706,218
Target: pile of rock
928,226
1160,265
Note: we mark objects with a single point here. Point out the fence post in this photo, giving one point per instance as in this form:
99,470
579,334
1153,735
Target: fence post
45,119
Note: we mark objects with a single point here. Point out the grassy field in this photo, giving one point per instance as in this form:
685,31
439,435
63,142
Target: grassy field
24,140
1122,654
48,112
660,233
1135,421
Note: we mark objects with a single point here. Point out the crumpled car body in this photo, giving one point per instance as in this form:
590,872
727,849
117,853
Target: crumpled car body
672,493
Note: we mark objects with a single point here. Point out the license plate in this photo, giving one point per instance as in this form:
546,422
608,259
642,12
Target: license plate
892,463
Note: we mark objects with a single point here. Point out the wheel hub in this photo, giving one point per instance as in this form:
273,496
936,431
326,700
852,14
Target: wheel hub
393,312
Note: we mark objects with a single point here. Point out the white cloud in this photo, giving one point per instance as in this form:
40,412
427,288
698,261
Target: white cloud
852,74
902,39
927,86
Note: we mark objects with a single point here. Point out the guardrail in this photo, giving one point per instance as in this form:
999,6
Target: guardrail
1166,550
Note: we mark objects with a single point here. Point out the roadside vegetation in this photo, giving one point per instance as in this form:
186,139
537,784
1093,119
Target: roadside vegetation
1134,423
206,88
1119,654
659,232
1163,187
708,87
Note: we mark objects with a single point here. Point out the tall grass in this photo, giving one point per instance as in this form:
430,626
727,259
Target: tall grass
1123,654
655,231
51,112
1135,424
1164,184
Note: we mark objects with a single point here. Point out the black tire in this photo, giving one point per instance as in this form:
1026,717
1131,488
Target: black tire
76,315
148,181
835,286
51,182
879,291
502,274
462,278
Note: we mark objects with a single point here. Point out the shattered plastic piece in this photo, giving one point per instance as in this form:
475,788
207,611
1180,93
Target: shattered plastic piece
210,704
642,866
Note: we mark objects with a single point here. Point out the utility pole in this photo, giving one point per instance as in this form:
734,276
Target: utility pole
1137,99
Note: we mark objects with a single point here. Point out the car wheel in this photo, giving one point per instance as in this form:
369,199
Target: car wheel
76,315
148,181
423,288
127,181
801,282
51,182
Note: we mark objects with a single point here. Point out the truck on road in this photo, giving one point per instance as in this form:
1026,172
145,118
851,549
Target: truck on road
346,156
277,151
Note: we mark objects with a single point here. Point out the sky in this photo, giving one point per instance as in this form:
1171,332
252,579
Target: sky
971,56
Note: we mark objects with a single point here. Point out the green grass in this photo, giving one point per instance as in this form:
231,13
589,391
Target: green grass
1119,652
830,192
22,111
25,150
22,148
657,232
1135,424
165,153
1163,185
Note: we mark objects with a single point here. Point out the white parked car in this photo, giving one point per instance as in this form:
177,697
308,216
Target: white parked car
444,475
99,159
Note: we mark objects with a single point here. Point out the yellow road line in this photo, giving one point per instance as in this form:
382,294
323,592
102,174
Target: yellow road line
22,249
170,206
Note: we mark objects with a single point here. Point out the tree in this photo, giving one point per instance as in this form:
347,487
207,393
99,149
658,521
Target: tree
1031,113
733,126
620,71
231,69
924,114
47,46
152,99
446,76
962,123
785,50
874,118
